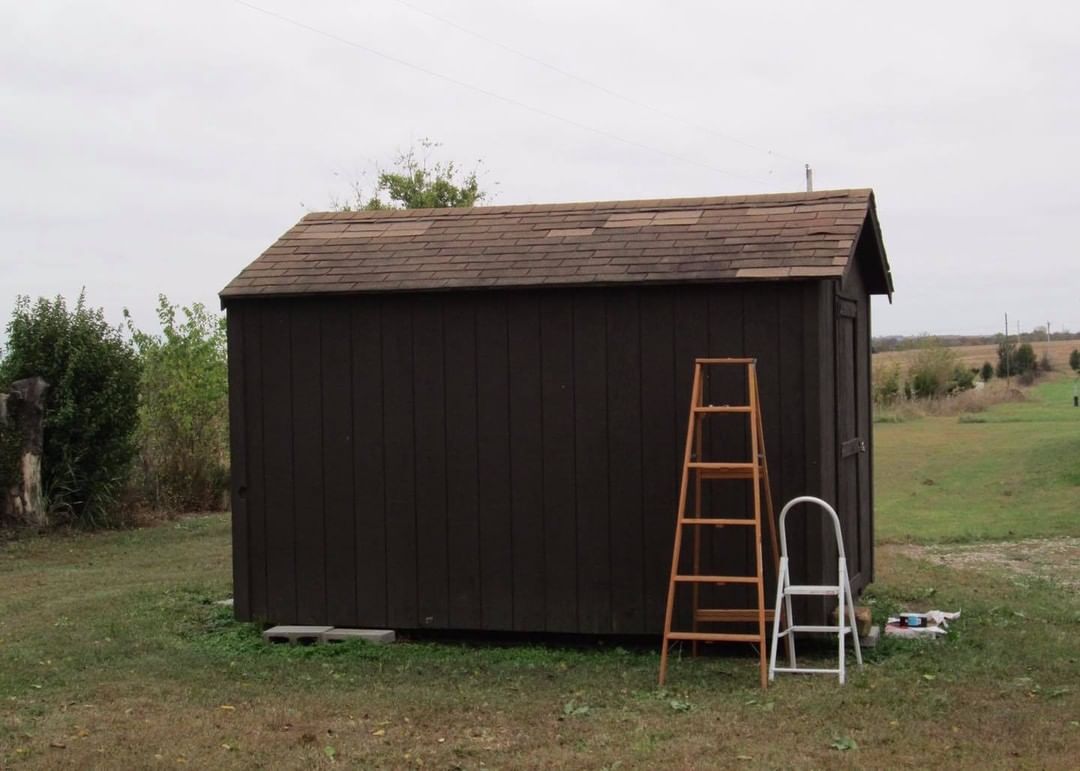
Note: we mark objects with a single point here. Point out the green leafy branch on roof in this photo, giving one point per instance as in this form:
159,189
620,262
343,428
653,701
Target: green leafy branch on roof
417,182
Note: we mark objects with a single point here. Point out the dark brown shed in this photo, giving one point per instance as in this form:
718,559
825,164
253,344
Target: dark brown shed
472,418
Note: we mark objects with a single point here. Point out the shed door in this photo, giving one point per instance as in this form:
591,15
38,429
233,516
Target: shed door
852,466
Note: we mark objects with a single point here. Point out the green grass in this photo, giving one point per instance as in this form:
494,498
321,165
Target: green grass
113,654
1010,472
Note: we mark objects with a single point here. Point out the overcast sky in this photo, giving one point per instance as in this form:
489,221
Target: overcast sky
154,146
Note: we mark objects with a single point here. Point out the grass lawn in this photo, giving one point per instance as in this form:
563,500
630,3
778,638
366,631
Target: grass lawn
114,655
1010,472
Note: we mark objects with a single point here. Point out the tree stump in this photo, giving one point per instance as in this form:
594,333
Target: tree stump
22,420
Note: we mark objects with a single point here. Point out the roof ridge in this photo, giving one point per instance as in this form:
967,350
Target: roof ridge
758,200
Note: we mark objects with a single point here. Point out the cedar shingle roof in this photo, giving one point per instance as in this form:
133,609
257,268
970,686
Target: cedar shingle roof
731,238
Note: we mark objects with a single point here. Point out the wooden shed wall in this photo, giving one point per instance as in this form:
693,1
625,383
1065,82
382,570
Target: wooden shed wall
504,460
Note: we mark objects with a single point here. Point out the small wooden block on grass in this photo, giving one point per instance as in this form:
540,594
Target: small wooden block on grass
373,636
295,634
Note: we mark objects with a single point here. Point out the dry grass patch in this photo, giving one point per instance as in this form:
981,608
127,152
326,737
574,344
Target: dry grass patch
975,355
1055,560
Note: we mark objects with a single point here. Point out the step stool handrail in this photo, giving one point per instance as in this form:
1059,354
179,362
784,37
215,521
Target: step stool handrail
810,499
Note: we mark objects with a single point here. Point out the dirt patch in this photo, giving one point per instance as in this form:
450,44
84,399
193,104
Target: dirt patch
1056,560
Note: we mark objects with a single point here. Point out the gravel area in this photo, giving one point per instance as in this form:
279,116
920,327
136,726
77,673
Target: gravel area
1054,559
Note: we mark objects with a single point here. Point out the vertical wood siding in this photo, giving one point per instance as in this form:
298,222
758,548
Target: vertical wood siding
506,460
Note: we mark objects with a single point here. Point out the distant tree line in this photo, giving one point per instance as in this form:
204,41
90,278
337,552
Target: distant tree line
935,371
884,343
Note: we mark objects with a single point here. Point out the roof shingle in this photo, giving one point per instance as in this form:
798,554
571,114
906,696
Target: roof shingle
735,238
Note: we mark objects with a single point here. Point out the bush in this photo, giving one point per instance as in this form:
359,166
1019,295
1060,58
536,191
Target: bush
986,372
183,435
886,384
1074,359
963,379
934,371
1025,359
1015,360
90,408
1045,365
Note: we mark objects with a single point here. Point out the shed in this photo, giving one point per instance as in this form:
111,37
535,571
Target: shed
472,419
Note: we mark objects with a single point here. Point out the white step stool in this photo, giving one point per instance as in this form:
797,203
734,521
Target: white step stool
785,591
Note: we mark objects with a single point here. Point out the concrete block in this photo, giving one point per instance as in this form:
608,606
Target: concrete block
373,636
870,640
862,619
295,634
226,603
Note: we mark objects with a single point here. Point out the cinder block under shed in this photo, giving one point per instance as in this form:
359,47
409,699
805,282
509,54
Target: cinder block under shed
373,636
295,634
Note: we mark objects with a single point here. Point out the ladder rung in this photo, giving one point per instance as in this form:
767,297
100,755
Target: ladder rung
807,671
715,636
716,522
737,360
739,470
717,579
735,466
724,615
722,408
812,628
811,589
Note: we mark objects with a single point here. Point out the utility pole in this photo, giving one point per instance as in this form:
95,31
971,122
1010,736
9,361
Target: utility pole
1008,370
809,179
1047,354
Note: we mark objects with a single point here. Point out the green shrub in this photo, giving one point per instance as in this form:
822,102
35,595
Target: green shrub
933,371
963,379
1025,358
1074,359
90,407
1015,359
183,435
986,372
886,384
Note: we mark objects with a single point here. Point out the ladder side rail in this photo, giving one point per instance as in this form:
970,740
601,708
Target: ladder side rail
695,397
841,569
754,440
695,589
770,511
828,509
851,617
781,582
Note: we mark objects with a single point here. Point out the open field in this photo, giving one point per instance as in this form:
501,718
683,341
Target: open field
1010,472
113,655
975,355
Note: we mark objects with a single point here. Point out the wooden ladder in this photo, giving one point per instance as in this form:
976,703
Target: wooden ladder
755,470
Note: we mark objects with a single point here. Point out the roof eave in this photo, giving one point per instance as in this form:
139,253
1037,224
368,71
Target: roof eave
881,279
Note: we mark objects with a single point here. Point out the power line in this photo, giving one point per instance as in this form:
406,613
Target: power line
489,93
597,86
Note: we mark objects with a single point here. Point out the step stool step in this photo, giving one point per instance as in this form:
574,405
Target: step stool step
806,589
373,636
295,633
